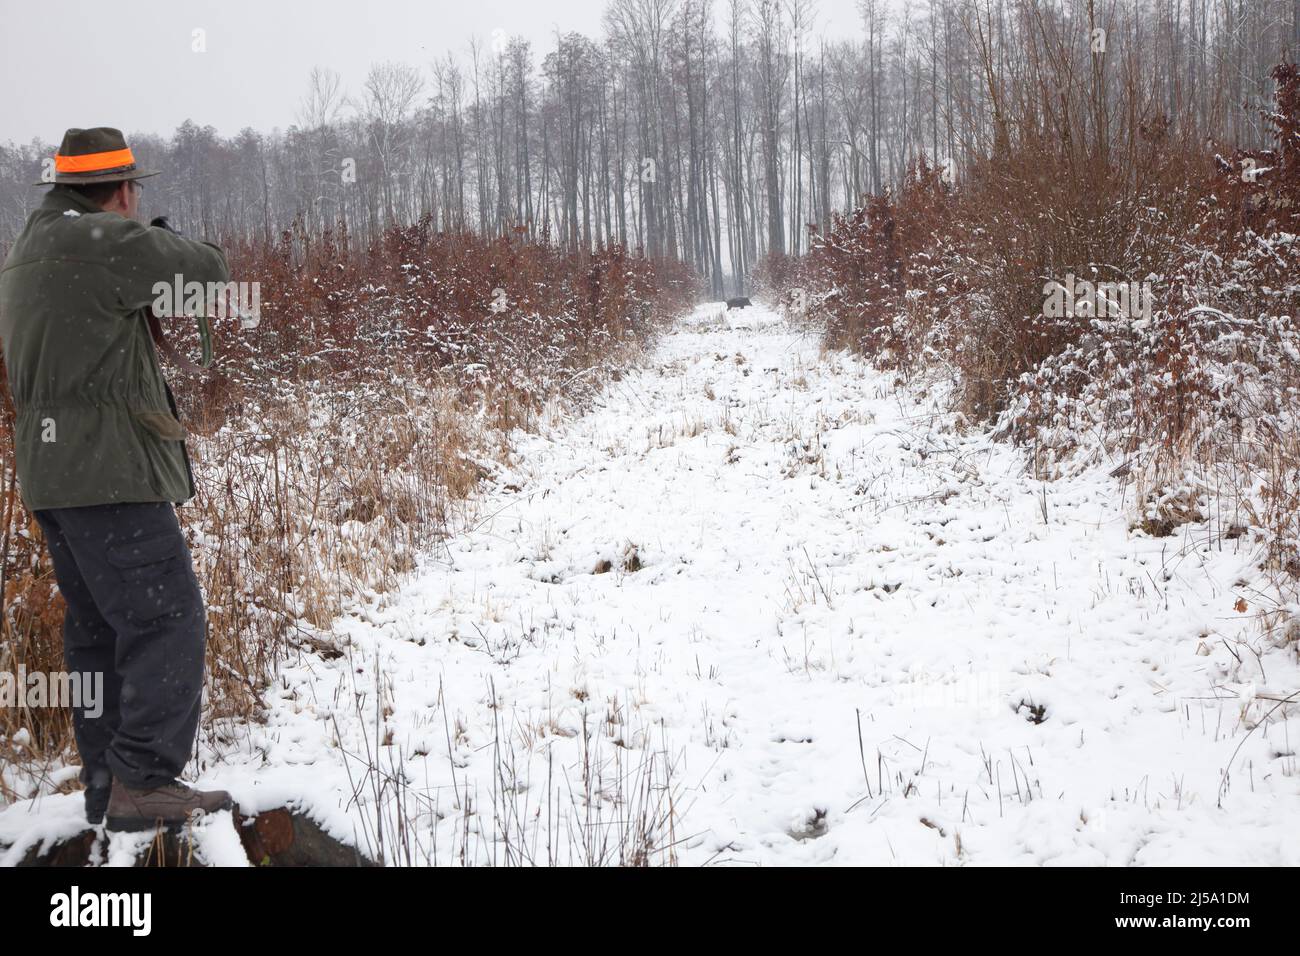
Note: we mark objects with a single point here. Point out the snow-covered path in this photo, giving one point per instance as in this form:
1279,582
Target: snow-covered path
758,606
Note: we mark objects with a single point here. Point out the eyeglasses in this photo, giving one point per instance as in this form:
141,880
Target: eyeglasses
139,186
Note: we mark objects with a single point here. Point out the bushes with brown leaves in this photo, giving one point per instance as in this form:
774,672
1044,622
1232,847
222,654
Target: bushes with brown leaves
331,442
1197,402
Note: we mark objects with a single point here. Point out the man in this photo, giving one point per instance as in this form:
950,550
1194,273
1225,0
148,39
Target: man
101,461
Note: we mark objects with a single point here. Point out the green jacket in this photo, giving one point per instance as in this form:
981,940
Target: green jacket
96,423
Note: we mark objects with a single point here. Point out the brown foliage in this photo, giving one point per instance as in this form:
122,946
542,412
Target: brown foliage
953,281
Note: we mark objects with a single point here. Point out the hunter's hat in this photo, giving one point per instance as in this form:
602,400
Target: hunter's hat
98,155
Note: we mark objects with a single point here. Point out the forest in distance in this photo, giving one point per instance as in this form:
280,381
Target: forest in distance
710,131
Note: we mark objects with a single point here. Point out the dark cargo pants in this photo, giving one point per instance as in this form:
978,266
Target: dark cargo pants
134,613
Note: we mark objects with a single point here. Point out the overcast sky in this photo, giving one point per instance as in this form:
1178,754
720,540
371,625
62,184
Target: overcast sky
130,64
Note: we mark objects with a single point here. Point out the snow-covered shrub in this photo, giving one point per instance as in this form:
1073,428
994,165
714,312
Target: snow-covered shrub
1194,398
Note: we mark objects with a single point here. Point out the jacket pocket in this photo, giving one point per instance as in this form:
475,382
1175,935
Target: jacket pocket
162,424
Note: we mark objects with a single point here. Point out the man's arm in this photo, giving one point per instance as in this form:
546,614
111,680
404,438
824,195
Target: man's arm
143,256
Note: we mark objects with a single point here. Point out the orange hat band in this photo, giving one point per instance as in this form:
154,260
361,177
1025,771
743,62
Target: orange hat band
94,162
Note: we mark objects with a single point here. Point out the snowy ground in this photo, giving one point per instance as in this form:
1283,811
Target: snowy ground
832,630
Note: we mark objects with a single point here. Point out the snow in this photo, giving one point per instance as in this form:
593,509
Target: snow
834,629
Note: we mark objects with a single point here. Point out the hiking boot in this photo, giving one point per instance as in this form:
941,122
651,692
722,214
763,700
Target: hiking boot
169,805
96,804
99,785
